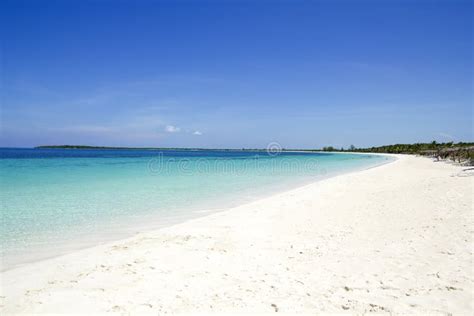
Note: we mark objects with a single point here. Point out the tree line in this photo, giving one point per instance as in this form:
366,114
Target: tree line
462,152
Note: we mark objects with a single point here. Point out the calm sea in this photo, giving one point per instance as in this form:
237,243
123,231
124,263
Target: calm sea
54,200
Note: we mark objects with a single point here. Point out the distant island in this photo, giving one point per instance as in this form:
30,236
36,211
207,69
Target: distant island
462,152
142,148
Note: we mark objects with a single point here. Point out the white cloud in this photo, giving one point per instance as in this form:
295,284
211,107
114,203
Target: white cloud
446,136
172,129
197,133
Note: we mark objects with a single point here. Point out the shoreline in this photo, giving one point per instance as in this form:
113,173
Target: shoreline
124,232
344,243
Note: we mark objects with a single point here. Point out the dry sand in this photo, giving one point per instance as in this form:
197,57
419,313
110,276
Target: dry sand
396,238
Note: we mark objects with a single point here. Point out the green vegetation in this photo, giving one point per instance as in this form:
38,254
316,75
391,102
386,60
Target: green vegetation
460,152
417,148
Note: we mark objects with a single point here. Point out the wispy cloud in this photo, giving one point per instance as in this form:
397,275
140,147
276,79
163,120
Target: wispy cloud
172,129
198,133
446,136
83,129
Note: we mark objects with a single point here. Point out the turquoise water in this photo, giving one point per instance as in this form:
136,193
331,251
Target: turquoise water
54,201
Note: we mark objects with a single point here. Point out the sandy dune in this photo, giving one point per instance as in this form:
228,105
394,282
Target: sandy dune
396,238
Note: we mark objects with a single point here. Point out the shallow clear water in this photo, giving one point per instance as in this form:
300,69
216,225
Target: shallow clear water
54,200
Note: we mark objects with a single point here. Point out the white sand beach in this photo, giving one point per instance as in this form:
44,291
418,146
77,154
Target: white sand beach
395,238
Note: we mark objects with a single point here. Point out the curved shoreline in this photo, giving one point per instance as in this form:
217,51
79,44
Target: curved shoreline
156,222
390,239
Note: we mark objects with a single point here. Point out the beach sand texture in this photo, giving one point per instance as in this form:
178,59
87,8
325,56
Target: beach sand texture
395,238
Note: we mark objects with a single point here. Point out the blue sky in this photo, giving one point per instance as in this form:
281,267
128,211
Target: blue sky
235,73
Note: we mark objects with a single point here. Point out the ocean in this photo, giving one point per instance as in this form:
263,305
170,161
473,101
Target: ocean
54,201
